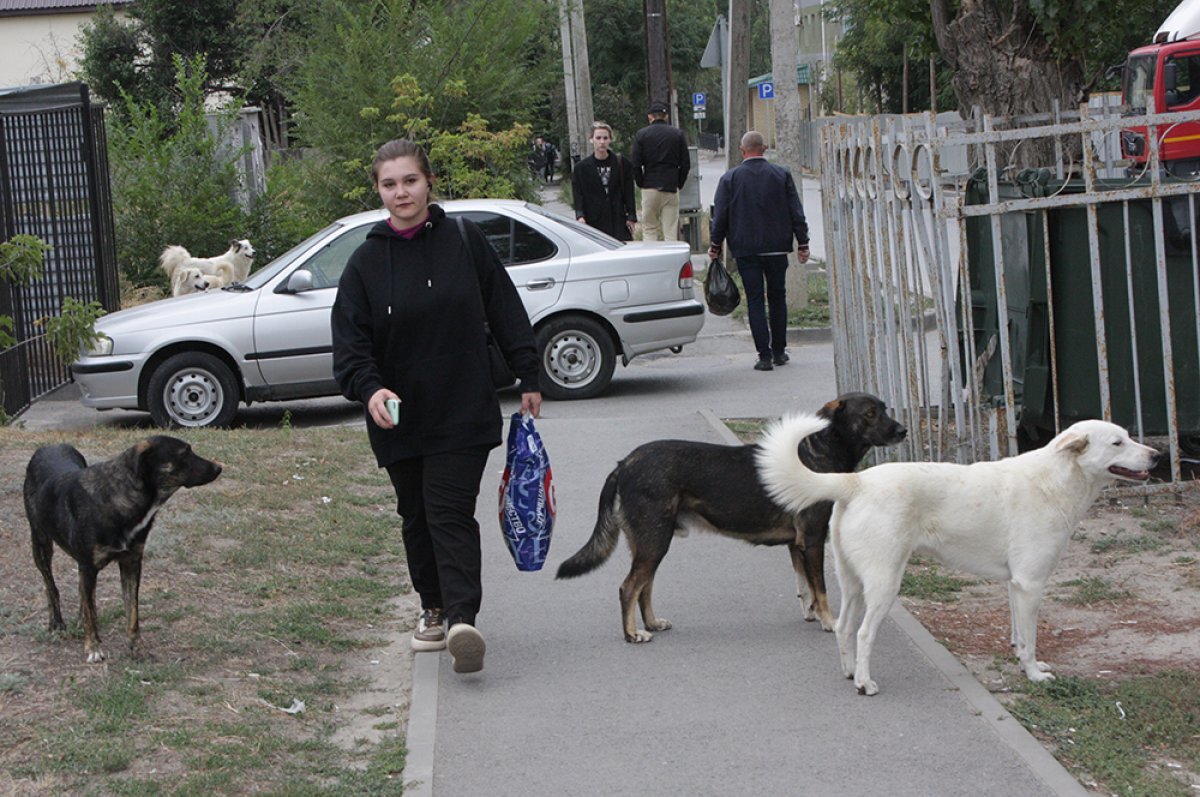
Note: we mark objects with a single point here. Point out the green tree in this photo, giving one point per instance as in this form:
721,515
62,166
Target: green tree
374,72
1014,58
135,58
172,182
878,32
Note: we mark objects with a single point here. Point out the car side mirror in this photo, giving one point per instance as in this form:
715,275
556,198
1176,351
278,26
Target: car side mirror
299,282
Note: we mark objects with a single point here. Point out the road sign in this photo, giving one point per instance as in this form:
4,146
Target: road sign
699,99
698,113
766,91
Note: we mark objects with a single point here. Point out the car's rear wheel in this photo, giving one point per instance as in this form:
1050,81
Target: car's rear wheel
192,389
578,357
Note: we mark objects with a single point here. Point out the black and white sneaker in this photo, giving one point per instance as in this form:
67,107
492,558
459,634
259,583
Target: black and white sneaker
431,631
466,647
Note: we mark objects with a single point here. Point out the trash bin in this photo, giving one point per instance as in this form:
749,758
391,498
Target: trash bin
1078,371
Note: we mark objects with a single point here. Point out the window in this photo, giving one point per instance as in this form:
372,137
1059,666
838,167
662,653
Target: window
1187,79
330,260
514,242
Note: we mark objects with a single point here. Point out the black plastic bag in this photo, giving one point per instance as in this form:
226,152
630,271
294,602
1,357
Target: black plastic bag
721,293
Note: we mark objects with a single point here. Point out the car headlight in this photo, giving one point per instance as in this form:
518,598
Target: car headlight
101,346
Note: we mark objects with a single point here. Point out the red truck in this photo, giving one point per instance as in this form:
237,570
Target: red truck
1161,77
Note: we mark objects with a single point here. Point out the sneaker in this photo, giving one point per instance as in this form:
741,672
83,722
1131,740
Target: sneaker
466,647
781,359
763,365
431,631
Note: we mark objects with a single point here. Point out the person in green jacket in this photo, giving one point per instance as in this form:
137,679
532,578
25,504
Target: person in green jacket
408,328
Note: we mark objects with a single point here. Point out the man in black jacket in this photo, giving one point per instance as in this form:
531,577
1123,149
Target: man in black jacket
602,187
758,212
660,167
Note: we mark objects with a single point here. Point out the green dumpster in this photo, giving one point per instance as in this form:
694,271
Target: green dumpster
1078,370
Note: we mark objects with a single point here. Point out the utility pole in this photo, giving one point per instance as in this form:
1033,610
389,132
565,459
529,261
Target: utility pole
577,77
785,44
737,112
658,56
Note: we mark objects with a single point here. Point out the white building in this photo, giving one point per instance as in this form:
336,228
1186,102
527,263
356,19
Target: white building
39,39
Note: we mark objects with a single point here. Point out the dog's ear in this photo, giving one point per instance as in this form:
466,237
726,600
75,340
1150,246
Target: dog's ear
830,409
1072,443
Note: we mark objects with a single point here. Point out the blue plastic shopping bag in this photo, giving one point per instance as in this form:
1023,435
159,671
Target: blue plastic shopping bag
526,495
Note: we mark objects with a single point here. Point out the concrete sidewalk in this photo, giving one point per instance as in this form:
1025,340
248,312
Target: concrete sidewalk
740,697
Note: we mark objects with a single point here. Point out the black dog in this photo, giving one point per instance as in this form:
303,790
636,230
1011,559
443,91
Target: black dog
671,486
101,514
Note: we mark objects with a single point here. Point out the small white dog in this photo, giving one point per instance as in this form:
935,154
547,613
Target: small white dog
232,266
1008,520
191,280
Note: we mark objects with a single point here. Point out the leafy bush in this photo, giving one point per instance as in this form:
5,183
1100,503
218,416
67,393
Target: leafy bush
172,181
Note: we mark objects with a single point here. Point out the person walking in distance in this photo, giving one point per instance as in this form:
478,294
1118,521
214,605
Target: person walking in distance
602,187
758,213
660,167
409,342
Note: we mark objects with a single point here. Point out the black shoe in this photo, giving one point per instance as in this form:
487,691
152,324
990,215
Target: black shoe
781,359
764,365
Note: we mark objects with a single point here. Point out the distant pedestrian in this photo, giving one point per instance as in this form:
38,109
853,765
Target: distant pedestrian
602,186
537,158
660,167
758,212
551,153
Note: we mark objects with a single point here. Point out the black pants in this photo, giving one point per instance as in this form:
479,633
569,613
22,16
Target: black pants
767,312
435,495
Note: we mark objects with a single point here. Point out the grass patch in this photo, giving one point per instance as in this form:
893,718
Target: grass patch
925,582
1087,591
1127,545
254,590
815,315
748,430
1122,734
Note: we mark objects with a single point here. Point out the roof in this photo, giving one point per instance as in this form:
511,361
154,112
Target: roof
12,8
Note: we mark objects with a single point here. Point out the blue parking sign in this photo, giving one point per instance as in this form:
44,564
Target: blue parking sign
699,99
766,91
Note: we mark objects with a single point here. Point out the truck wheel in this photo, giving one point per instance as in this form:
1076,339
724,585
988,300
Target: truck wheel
577,357
192,389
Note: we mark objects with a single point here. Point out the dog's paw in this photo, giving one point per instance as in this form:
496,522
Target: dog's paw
660,624
1038,675
827,624
95,656
867,687
639,636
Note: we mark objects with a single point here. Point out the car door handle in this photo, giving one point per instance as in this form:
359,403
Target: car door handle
540,285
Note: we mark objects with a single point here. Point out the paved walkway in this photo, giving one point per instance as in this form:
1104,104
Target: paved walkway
740,697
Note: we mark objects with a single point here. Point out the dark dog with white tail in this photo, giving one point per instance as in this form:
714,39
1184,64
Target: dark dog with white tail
669,487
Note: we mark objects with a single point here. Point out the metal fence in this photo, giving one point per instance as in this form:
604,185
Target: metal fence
992,302
53,184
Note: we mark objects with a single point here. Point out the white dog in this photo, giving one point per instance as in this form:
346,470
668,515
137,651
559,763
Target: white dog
1008,520
232,266
191,280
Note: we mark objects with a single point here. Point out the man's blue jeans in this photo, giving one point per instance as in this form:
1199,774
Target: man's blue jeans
768,319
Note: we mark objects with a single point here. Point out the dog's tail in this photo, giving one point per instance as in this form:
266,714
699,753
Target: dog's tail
786,478
596,550
172,258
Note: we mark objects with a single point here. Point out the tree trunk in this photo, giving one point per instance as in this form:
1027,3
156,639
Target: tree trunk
1002,63
784,44
738,113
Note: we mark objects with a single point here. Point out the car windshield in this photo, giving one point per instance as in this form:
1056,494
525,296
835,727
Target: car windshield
591,233
1139,83
264,274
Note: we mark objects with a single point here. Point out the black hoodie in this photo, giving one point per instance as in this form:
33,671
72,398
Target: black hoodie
409,316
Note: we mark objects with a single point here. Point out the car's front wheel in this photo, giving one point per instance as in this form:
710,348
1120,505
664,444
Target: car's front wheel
578,357
192,389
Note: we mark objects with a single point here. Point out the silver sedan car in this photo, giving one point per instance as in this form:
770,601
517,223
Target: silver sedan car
191,360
